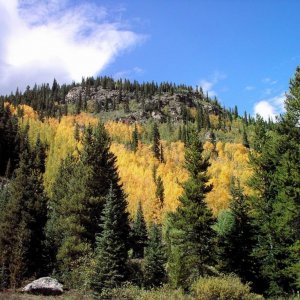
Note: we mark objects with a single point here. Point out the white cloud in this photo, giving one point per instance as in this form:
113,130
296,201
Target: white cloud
208,85
270,108
40,40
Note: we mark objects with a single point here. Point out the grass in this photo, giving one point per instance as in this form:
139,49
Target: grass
70,295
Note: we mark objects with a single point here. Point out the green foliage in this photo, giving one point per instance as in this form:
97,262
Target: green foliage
138,234
276,205
23,219
245,139
164,293
156,141
155,258
8,141
69,216
135,139
111,247
237,242
225,222
96,155
224,288
190,234
160,191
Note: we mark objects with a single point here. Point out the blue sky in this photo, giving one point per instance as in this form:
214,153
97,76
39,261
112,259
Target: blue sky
242,52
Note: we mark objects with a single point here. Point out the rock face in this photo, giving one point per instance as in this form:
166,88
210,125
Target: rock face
160,106
44,286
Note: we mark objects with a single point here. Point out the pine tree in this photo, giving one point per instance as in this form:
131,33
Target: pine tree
161,154
8,139
71,216
245,139
237,243
190,234
24,218
96,155
111,245
156,141
160,191
276,205
155,258
138,233
135,139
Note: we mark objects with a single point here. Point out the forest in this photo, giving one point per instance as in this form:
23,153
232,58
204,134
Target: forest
128,190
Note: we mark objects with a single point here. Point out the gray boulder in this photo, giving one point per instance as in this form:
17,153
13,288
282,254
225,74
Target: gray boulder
44,286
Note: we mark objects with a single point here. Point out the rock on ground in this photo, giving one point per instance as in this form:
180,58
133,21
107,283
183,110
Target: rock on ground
44,286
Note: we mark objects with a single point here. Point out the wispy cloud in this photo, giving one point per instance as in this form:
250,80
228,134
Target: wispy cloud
128,73
40,40
269,81
208,85
249,88
271,107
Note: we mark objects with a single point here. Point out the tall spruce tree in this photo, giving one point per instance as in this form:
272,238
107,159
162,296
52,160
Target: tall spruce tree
156,141
96,155
276,205
160,192
135,139
155,258
138,234
237,242
111,246
79,196
23,219
71,205
8,140
190,235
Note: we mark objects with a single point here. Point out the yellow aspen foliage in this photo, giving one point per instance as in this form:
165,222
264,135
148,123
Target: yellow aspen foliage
121,132
136,172
136,168
231,160
214,120
64,143
83,119
45,130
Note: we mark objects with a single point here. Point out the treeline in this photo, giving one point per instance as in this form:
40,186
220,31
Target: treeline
50,100
83,233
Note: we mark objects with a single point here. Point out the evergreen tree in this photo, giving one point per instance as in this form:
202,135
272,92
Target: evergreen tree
245,139
161,154
199,117
96,155
155,258
111,245
70,216
78,105
236,113
156,141
8,139
160,191
23,220
276,206
135,139
138,233
190,234
237,242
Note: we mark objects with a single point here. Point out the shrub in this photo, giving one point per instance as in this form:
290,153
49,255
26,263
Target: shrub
227,287
164,293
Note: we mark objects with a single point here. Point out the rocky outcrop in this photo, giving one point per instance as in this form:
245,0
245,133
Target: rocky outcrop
160,106
44,286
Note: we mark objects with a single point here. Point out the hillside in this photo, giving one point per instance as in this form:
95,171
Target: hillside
117,175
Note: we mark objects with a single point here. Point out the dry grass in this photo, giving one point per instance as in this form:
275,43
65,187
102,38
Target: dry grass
10,295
